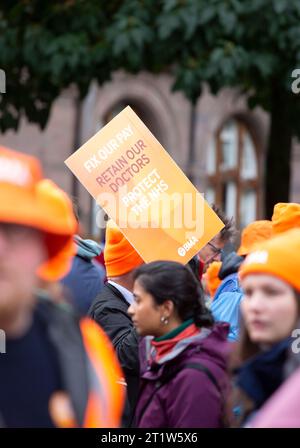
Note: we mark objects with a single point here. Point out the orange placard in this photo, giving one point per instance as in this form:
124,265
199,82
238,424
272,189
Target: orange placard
142,189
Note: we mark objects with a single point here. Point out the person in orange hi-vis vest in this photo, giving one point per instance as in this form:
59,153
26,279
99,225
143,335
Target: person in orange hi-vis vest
56,370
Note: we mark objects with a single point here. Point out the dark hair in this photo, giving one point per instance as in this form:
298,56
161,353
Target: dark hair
229,232
169,280
245,348
194,266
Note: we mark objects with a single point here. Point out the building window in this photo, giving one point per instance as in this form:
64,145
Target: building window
232,173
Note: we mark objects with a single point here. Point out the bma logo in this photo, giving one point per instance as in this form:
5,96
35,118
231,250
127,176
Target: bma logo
187,246
2,81
2,342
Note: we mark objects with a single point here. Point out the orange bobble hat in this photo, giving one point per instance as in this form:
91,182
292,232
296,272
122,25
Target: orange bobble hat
255,232
286,215
211,277
29,200
279,256
119,255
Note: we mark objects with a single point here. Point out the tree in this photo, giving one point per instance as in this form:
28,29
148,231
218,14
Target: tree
250,44
47,46
253,45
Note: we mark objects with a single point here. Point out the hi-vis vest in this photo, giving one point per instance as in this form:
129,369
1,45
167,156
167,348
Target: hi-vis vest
107,390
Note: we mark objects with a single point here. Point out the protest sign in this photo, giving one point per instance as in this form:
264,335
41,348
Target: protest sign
141,188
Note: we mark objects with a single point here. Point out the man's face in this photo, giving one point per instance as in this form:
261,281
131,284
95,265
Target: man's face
212,251
22,251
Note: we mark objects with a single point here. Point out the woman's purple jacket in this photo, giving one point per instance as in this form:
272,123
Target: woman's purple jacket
189,399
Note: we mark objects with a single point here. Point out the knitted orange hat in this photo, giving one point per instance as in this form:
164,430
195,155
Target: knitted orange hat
254,233
212,279
29,200
286,215
119,255
279,256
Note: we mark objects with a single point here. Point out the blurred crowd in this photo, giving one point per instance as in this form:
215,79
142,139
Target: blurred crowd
120,343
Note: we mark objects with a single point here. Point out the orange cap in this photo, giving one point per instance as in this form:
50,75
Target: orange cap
286,215
254,233
212,279
28,199
279,256
119,255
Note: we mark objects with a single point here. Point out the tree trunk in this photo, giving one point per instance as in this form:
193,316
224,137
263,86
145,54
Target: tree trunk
277,167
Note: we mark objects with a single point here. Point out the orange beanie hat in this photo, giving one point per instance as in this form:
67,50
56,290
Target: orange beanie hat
286,215
119,255
254,233
212,279
279,256
28,199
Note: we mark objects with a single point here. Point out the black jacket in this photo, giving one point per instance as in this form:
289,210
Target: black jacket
64,333
109,310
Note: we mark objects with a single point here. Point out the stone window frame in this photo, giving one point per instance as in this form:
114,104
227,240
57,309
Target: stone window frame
218,180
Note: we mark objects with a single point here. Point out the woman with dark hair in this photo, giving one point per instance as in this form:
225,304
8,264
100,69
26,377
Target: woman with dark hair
270,278
183,358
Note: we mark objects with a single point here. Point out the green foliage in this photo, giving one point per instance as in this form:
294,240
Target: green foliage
46,46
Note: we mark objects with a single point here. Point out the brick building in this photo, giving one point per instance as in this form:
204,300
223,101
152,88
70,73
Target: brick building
225,161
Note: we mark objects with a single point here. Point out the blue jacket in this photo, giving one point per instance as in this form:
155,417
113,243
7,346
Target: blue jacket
86,277
226,304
